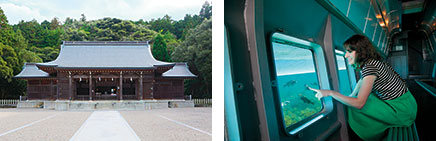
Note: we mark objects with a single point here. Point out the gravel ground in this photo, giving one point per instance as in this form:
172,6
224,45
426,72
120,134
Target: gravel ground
154,124
157,124
12,118
58,126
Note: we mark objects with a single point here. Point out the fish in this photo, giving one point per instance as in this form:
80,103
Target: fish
290,83
306,86
305,99
284,103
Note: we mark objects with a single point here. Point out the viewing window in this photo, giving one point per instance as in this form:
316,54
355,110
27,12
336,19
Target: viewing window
295,68
343,74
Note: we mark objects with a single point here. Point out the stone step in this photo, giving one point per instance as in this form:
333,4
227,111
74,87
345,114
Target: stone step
105,105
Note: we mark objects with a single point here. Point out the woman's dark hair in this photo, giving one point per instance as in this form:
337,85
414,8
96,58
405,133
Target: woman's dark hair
363,47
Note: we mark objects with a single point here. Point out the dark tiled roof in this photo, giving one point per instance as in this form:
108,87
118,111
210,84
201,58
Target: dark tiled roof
97,54
179,70
31,71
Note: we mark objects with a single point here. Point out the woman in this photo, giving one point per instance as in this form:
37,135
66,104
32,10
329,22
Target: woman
382,100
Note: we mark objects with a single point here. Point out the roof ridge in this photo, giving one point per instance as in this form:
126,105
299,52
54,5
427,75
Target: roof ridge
102,43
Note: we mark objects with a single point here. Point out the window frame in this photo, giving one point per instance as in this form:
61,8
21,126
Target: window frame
323,81
231,114
350,71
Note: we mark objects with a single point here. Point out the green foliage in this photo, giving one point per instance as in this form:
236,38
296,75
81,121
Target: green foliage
8,68
159,49
171,41
6,33
30,41
206,11
68,21
7,61
83,18
45,24
107,29
46,54
32,31
164,24
197,51
3,20
13,55
29,56
54,24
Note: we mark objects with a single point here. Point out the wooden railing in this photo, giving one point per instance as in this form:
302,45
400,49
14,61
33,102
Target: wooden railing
129,97
203,102
105,97
9,101
81,97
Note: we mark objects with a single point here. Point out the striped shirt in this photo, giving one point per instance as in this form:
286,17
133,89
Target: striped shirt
388,84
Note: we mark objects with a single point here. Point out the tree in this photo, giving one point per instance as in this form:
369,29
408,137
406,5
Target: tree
6,32
206,11
29,56
13,53
45,24
54,24
159,49
197,51
33,32
68,21
30,41
8,61
164,24
107,29
83,18
3,19
171,41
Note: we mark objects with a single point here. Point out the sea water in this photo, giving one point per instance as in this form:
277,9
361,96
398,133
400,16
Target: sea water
296,100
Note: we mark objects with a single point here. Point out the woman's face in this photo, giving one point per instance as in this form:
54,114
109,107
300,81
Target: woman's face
351,56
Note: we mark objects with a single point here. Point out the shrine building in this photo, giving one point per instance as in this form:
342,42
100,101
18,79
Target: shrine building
100,70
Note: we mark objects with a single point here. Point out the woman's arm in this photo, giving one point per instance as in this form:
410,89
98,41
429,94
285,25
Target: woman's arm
356,89
358,102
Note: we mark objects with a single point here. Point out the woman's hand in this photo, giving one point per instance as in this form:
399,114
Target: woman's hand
357,102
320,93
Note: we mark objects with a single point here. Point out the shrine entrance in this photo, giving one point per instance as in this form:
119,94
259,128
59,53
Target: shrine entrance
106,89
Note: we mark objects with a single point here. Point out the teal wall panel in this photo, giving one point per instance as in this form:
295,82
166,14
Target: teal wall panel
296,19
340,33
371,24
378,36
376,32
341,5
362,15
358,11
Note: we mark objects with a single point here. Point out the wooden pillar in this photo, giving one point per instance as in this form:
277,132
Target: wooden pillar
152,84
28,88
141,87
152,88
90,86
51,90
57,89
40,89
121,85
70,85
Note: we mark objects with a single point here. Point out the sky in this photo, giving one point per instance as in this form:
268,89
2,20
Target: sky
40,10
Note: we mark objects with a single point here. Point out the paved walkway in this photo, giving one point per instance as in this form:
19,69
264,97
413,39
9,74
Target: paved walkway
105,126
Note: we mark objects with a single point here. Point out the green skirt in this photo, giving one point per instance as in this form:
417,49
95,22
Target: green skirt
371,122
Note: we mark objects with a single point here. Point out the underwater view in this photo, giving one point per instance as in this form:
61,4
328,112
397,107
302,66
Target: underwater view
296,100
295,68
